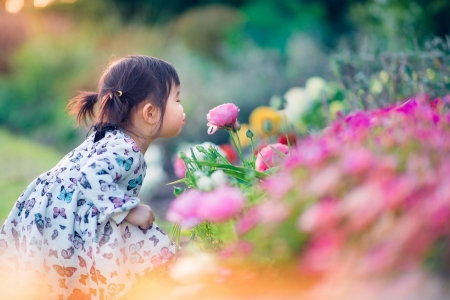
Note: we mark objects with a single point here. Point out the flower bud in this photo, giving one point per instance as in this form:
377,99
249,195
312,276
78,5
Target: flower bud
182,155
267,126
177,191
249,134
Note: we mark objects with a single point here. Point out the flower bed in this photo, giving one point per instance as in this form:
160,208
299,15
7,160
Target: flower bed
366,199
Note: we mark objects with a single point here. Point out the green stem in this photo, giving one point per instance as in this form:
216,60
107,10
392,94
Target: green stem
253,153
239,150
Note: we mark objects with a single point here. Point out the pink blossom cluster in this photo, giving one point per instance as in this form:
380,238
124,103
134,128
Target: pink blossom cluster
373,184
194,206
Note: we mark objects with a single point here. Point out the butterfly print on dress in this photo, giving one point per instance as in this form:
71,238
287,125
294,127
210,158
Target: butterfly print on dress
16,236
127,234
65,195
28,206
110,165
84,182
52,252
59,212
154,239
20,206
78,241
96,275
119,202
39,223
67,253
125,163
135,146
64,271
134,249
35,241
133,183
104,186
48,222
77,166
102,172
77,158
54,234
107,231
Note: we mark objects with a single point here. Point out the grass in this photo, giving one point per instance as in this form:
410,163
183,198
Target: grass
21,161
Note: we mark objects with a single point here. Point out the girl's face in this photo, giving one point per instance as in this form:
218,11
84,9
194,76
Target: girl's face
174,117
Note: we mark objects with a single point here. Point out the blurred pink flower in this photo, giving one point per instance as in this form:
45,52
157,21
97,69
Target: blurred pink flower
325,181
268,157
224,115
220,204
247,221
322,215
278,185
362,205
356,161
273,212
184,209
179,167
322,253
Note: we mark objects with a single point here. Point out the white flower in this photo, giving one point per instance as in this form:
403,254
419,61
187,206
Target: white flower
298,102
219,178
205,183
315,86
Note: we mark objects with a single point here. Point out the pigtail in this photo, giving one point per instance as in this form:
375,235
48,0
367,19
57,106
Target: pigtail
82,106
113,108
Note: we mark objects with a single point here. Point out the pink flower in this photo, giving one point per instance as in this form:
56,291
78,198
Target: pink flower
220,204
273,211
179,167
248,220
224,115
324,181
278,185
322,253
184,209
322,215
357,161
268,157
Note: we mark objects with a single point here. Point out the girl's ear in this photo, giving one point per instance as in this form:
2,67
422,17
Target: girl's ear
150,113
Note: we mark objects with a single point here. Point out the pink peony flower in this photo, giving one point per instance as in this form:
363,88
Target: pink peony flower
268,157
184,209
220,204
224,115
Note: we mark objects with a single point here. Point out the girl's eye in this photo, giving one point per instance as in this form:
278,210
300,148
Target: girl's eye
178,100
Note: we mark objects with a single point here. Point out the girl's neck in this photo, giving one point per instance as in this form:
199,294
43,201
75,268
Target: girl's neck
142,142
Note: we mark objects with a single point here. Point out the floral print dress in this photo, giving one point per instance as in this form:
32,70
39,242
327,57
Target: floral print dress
68,227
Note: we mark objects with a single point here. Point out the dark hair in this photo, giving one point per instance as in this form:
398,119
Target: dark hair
126,82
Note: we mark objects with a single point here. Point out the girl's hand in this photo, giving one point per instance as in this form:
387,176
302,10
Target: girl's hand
142,216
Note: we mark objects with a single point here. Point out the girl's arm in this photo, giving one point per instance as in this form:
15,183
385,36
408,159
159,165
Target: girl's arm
99,177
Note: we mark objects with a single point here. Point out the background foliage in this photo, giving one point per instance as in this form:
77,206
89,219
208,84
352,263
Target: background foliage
241,51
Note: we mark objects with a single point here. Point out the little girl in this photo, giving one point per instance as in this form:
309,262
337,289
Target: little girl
79,229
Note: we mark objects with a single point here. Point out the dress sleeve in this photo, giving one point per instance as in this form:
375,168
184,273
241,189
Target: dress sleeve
101,177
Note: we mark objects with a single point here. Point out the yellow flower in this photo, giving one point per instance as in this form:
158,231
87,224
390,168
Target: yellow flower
265,121
242,133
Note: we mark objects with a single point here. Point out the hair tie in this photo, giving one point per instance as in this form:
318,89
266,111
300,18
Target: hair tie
119,93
